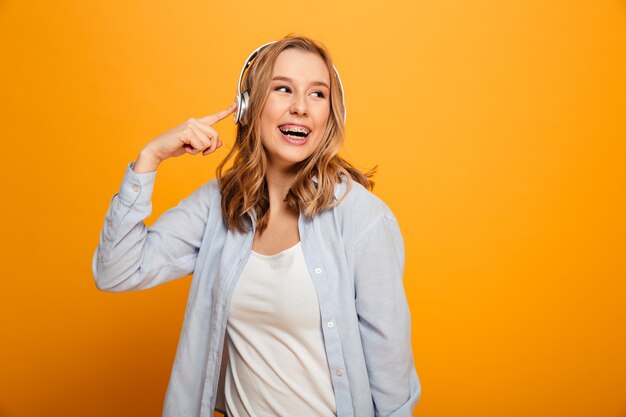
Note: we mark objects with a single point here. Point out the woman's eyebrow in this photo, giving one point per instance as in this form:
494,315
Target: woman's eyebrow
287,79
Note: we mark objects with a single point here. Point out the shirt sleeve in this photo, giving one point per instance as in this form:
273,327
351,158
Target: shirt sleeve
131,256
384,318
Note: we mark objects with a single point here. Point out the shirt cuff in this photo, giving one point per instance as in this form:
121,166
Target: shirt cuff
136,188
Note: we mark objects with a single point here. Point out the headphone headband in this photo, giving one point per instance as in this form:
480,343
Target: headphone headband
242,98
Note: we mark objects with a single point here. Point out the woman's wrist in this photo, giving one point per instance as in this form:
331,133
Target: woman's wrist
146,162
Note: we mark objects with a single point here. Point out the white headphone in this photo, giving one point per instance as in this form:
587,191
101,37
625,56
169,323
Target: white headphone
242,99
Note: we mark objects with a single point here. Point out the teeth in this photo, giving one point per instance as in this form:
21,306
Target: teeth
298,131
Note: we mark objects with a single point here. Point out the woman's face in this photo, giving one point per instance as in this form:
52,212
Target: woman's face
296,112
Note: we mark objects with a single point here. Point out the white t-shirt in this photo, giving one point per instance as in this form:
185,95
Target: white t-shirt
277,362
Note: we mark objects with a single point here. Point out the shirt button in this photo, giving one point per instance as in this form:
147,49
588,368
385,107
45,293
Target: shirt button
331,324
318,271
135,188
339,372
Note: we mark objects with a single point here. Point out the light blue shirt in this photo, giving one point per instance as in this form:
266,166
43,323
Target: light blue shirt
354,253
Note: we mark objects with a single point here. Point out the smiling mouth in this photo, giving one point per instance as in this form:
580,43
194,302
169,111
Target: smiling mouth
294,132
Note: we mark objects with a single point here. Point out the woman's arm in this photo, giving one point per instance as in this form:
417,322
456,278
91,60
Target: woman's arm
131,256
384,318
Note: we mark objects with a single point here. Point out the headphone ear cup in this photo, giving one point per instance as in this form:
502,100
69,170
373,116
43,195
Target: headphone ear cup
240,108
243,107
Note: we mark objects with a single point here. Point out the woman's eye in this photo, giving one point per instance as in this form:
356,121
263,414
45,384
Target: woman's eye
284,89
319,94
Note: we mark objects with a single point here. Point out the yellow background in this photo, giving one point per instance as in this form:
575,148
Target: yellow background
499,130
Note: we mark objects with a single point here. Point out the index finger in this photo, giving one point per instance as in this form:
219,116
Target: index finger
214,118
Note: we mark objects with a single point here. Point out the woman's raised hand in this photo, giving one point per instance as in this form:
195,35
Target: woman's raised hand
192,137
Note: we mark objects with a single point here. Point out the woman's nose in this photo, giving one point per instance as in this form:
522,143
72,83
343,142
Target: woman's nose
299,105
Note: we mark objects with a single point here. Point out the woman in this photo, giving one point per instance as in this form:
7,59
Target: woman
296,306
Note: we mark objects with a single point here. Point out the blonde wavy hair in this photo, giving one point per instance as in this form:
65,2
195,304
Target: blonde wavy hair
243,185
